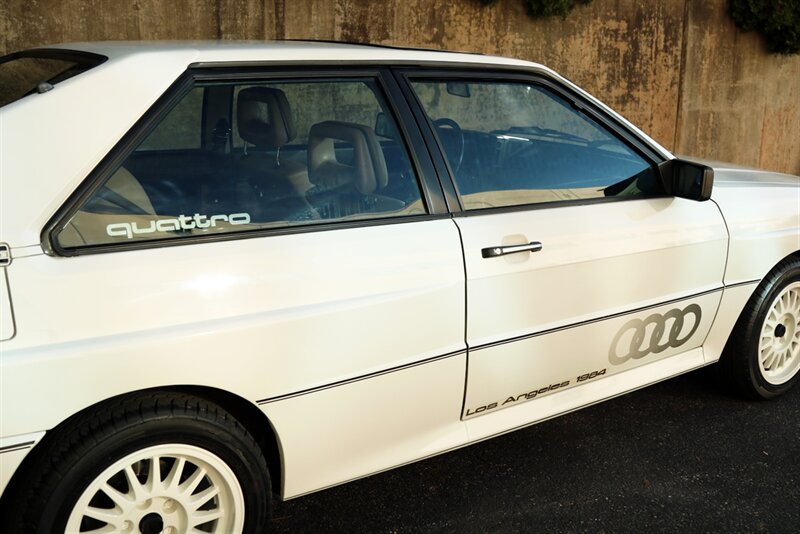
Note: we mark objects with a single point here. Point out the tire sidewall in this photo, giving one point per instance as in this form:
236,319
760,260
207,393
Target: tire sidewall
234,452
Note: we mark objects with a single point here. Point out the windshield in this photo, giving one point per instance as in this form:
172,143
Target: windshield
21,73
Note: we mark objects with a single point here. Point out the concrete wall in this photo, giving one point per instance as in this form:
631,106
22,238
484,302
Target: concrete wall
677,68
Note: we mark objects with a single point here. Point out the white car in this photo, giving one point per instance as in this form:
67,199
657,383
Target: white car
237,269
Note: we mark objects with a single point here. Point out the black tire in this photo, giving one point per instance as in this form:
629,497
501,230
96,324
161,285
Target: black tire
739,365
76,454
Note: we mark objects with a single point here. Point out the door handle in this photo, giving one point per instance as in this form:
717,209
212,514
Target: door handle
493,252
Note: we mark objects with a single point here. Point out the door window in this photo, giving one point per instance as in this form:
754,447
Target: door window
239,157
514,143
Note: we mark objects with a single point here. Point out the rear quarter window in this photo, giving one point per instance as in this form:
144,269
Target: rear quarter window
22,72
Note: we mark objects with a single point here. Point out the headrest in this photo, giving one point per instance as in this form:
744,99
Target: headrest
367,173
264,117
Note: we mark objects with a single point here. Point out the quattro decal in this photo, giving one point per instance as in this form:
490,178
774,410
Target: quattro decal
181,222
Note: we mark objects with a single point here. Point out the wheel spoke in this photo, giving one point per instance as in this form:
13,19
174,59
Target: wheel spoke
193,481
174,476
772,318
111,516
105,529
204,516
119,499
204,496
154,474
781,304
136,486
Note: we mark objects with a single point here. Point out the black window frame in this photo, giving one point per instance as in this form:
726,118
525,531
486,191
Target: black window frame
494,74
430,187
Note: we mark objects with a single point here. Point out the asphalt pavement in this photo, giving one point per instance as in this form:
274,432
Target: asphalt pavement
683,455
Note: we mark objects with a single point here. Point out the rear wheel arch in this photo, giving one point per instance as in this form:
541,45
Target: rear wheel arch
254,420
244,411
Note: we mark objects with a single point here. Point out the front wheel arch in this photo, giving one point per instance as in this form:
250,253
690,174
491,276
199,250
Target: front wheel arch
737,368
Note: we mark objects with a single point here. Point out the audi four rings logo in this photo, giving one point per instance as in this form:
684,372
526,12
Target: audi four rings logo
641,344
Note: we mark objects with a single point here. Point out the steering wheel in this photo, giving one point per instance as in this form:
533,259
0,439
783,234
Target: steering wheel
451,135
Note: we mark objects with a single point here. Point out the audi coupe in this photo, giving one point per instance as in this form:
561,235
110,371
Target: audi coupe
233,271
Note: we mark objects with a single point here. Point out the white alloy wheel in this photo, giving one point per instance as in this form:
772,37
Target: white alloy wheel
779,344
163,489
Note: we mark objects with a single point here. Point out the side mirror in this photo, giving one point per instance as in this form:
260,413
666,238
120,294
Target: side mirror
384,127
687,179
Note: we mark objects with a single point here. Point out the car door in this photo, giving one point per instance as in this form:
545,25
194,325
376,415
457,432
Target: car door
580,269
296,260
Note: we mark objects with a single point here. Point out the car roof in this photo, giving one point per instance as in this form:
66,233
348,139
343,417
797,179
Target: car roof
289,50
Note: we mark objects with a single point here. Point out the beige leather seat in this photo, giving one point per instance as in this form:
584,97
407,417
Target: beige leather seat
265,121
344,189
269,187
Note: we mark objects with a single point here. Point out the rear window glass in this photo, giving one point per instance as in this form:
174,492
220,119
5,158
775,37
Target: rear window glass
21,74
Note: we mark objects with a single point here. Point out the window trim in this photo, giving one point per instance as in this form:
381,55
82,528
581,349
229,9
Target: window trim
405,75
427,179
89,59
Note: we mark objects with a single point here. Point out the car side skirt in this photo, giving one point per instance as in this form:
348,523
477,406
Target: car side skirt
326,444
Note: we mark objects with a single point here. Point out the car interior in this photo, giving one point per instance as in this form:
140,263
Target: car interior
342,171
250,157
510,143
